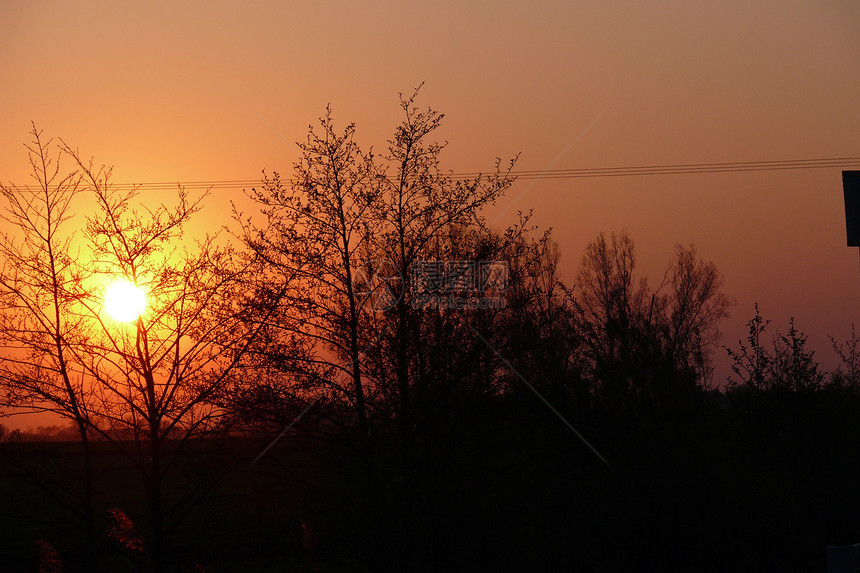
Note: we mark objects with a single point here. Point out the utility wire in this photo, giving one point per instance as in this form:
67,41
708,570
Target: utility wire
625,171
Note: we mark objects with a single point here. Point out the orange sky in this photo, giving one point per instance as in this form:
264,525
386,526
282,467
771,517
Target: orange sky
173,93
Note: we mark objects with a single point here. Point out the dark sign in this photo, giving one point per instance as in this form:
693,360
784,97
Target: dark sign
851,188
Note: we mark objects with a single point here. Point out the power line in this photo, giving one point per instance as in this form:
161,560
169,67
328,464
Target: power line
694,168
528,175
678,169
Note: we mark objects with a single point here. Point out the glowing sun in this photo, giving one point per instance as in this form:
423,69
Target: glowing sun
124,301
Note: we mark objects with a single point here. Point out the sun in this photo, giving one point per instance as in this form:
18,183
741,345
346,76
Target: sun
124,301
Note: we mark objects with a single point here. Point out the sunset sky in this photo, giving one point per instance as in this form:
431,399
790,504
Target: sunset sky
206,91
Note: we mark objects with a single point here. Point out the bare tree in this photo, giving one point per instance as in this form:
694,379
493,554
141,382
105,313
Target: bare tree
149,386
421,202
751,362
847,372
610,307
697,304
158,379
41,293
352,225
637,339
789,365
316,228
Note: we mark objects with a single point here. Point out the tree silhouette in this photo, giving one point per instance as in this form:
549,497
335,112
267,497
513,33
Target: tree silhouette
848,372
315,230
751,362
151,386
641,343
41,291
789,365
794,364
351,226
351,231
158,380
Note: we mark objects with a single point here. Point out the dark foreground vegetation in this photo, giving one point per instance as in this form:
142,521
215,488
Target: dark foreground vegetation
366,375
752,481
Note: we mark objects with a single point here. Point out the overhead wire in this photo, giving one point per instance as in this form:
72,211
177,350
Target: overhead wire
548,174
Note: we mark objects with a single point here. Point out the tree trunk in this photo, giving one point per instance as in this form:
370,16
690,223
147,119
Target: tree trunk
407,445
89,511
156,517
